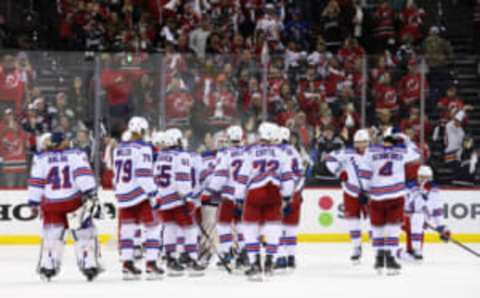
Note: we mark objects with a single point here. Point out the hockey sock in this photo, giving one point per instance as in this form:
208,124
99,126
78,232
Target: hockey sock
127,233
354,226
272,232
170,238
251,231
52,249
191,241
152,242
408,234
392,237
225,237
290,240
180,240
416,222
378,235
240,236
138,237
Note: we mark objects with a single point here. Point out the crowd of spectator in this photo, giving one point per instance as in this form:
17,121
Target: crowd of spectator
203,65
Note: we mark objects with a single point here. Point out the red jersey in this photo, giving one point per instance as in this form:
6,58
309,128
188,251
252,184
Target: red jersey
178,105
410,91
119,84
12,89
13,150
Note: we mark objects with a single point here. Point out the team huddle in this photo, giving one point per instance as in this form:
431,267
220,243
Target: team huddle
163,192
161,189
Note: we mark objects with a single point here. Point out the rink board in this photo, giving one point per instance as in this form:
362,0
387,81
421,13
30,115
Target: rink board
321,220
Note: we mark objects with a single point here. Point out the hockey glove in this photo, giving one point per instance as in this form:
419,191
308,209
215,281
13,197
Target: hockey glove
363,198
286,206
238,211
444,233
92,205
34,208
343,176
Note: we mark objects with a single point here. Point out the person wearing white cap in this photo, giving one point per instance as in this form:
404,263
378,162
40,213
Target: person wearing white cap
455,135
350,167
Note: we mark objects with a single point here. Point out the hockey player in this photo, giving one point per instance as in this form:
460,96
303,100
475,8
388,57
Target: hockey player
270,187
349,165
227,183
62,185
172,171
392,165
291,217
135,191
423,206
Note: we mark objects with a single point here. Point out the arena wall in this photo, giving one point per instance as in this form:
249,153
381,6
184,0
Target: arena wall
322,217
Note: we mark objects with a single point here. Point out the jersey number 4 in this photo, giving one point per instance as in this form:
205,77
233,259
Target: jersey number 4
59,179
386,169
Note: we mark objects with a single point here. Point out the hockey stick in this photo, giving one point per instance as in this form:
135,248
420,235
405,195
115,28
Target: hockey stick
215,251
454,241
207,237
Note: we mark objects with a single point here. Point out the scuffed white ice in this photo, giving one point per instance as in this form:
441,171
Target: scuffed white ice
324,271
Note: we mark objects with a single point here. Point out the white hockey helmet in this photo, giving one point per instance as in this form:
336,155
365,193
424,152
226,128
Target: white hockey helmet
175,135
361,135
138,125
425,171
126,136
158,138
284,134
268,131
44,141
235,133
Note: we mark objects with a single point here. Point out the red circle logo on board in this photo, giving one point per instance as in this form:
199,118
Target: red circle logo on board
325,202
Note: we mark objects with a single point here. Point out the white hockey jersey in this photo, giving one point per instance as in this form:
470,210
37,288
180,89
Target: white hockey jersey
227,181
59,176
173,177
356,167
429,203
133,177
296,166
268,164
388,167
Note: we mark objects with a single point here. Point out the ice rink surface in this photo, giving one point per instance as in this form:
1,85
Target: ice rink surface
324,271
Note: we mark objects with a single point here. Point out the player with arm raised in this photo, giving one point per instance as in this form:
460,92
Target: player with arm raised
392,165
423,205
63,186
227,183
135,191
270,187
350,166
291,214
173,176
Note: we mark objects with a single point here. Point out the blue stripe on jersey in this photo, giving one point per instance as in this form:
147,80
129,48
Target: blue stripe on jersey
388,189
130,196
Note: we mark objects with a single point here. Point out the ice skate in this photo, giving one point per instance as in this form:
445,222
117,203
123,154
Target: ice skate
130,272
153,271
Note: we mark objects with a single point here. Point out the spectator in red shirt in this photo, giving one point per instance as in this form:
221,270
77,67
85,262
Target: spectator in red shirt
412,20
118,83
384,28
179,103
410,86
12,87
387,96
13,151
450,105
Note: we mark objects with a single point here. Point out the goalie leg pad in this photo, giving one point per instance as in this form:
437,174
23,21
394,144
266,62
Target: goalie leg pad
86,248
52,248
